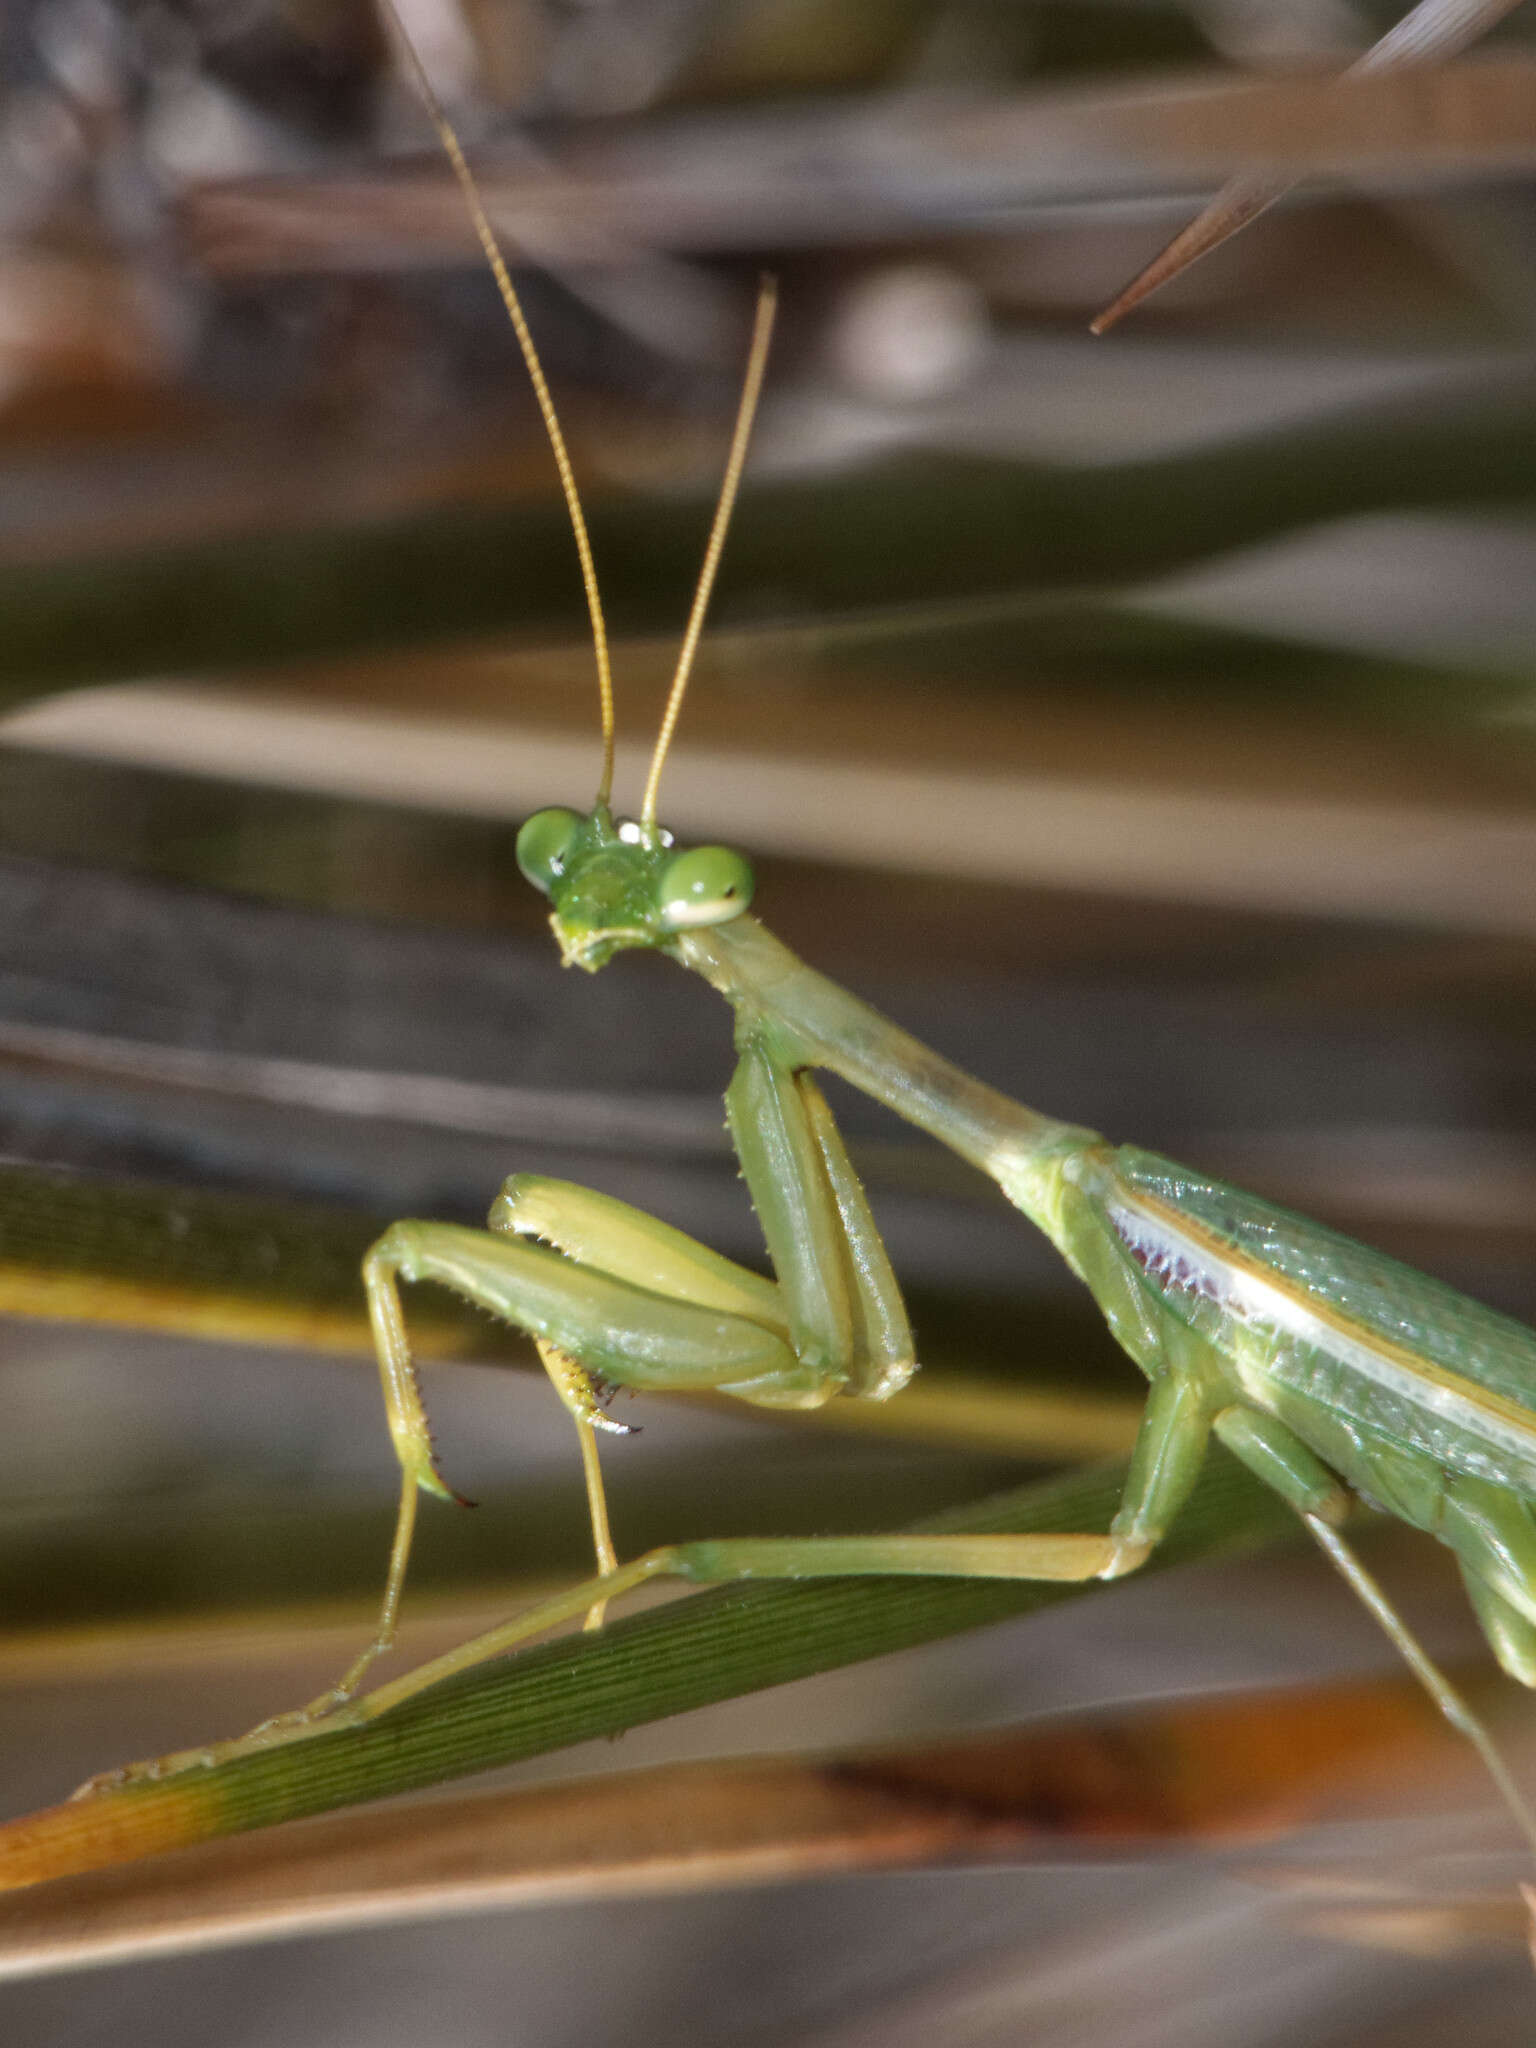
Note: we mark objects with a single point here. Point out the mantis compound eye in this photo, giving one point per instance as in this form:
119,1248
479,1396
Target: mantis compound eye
705,885
543,844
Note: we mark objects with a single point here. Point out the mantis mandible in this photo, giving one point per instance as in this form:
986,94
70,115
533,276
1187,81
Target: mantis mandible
1332,1372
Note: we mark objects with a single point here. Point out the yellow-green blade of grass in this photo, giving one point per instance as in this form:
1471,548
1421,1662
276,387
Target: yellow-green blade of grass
1188,1772
690,1653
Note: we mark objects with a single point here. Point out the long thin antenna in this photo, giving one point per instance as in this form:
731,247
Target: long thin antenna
498,265
746,412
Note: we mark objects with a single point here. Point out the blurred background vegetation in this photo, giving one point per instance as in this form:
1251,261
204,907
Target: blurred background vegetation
1147,722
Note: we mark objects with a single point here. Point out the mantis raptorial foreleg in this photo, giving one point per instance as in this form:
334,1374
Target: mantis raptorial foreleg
583,1403
634,1300
841,1302
609,1293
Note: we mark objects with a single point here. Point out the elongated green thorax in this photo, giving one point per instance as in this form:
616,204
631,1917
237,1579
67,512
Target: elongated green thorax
811,1022
615,886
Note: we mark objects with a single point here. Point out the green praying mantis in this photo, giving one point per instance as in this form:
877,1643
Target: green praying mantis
1331,1372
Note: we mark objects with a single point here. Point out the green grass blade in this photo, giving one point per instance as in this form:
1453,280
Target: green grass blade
691,1653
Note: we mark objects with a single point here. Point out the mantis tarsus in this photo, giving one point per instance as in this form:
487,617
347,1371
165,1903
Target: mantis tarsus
1329,1370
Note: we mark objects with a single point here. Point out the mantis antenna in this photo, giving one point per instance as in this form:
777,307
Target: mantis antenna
498,265
752,384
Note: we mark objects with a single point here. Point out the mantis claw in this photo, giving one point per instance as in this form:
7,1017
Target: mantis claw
149,1771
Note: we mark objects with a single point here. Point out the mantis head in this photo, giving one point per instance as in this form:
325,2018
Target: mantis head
617,885
625,884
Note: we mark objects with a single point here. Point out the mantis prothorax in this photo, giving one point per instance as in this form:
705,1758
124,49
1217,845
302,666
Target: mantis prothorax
1329,1370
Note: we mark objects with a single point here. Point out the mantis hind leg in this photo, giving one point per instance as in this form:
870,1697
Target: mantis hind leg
1493,1534
1511,1633
1425,1670
1487,1526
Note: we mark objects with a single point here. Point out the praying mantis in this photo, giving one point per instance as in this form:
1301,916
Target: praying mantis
1330,1371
